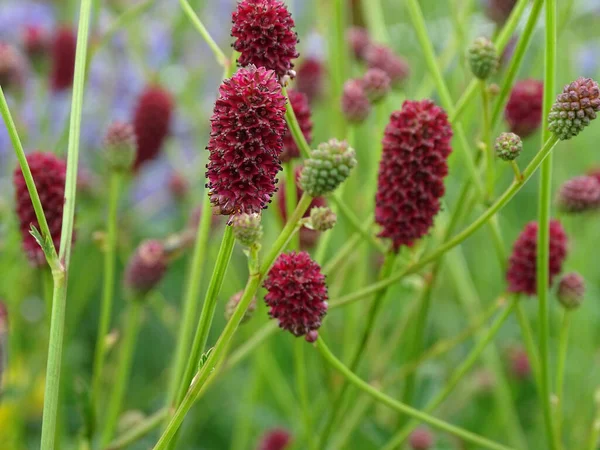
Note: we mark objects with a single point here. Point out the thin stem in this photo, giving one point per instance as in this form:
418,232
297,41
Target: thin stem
208,311
347,213
29,181
130,332
563,346
456,377
516,60
291,198
487,138
401,407
592,443
215,358
139,431
335,262
374,16
57,321
516,170
294,126
108,288
302,386
460,237
190,301
189,12
530,347
543,246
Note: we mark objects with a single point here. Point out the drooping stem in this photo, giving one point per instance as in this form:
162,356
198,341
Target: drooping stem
115,402
456,377
543,239
108,288
401,407
60,267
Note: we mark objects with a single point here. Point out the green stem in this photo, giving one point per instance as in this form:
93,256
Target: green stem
347,213
129,333
401,407
460,237
516,170
530,347
516,60
190,301
374,16
220,349
336,261
456,377
108,288
302,386
487,139
219,55
338,59
563,346
592,443
545,202
139,431
291,198
57,322
208,311
294,126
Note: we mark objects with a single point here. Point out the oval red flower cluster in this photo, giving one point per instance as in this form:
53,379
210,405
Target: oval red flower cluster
310,77
265,36
579,194
245,142
416,146
49,174
297,293
299,103
63,58
151,122
521,274
524,108
146,267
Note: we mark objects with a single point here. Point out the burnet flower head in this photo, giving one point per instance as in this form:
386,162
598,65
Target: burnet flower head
523,111
574,108
416,146
264,35
245,142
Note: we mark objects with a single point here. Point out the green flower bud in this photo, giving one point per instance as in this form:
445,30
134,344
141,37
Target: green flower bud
322,219
120,146
483,58
247,229
508,146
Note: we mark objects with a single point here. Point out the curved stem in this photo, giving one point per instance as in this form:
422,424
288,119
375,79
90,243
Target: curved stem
130,332
456,377
401,407
456,240
108,288
543,244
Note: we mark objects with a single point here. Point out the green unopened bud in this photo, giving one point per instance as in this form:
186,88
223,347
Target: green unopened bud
327,167
508,146
322,219
575,108
120,146
571,290
233,303
247,229
483,58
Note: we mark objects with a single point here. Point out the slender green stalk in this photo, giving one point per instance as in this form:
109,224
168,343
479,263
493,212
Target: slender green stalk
219,55
338,58
456,377
139,431
501,41
487,139
218,354
516,60
29,181
291,198
543,253
460,237
594,436
252,343
208,311
563,346
347,213
401,407
302,386
530,346
374,16
335,262
108,288
115,402
61,266
190,301
516,170
245,420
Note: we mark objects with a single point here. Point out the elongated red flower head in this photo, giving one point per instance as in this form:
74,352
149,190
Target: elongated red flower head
421,439
151,122
245,142
524,108
310,78
275,439
521,274
49,174
264,35
579,194
146,268
64,44
416,146
301,108
308,237
383,58
297,293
